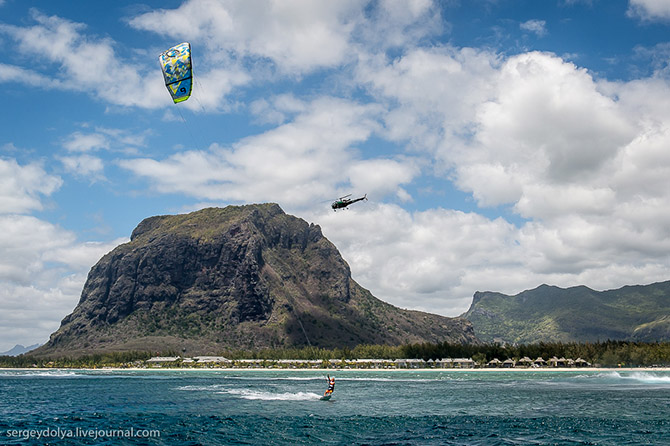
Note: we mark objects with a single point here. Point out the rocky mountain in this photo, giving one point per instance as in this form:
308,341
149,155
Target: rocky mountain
240,277
549,313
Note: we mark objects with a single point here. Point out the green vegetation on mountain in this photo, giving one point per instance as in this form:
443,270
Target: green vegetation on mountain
577,314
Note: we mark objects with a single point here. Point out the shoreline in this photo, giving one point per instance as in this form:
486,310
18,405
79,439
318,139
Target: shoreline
332,370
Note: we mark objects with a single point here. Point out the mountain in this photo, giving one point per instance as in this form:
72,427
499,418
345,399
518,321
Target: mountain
19,349
240,277
549,313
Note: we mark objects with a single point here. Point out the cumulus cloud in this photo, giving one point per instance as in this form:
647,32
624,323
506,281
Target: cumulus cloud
42,273
21,187
580,159
84,62
298,162
298,36
421,259
548,124
42,265
429,93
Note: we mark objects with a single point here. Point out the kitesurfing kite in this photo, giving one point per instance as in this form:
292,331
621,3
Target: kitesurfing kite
345,201
177,71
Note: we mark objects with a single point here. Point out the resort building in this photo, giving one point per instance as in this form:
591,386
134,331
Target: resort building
402,363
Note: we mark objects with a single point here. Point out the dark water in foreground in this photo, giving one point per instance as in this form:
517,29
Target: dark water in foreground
72,407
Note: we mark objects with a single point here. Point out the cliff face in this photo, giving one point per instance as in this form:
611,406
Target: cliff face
235,277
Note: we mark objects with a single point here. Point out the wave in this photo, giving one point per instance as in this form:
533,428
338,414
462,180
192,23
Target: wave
48,374
250,394
214,387
641,377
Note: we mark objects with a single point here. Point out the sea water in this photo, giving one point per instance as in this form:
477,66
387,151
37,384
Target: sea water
218,407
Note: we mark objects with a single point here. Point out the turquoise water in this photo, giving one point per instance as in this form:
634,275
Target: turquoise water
65,407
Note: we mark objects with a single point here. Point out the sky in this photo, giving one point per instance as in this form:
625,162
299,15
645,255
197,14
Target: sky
502,144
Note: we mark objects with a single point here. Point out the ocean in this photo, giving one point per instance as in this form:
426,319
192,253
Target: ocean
221,407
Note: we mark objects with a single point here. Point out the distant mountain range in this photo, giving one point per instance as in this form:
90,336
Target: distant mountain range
240,277
19,349
580,314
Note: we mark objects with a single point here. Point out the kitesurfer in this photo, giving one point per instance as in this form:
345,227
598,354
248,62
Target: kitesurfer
331,385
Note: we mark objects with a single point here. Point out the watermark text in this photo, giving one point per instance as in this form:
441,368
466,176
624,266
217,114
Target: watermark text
79,432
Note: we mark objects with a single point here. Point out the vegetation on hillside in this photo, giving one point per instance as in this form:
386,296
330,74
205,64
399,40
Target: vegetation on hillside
606,354
576,314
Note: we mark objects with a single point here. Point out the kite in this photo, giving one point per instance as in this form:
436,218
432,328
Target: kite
177,71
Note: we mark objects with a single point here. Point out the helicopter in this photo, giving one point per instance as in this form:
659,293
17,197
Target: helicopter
345,201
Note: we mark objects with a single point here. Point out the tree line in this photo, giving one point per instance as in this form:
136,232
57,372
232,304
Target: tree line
606,353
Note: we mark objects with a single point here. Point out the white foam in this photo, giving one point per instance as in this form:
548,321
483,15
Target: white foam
213,387
250,394
636,377
650,378
49,374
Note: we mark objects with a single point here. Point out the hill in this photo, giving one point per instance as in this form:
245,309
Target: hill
580,314
19,349
240,277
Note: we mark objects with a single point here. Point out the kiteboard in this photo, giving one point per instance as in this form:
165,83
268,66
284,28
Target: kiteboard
326,397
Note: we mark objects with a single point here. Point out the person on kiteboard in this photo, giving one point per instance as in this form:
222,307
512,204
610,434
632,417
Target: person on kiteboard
331,385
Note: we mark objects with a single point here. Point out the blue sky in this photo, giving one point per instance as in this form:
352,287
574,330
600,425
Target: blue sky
503,144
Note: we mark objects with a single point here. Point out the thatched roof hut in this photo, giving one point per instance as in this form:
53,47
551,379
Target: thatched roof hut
524,362
495,362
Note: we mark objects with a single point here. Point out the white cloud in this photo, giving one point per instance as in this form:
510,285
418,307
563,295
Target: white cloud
381,177
581,160
538,27
104,139
298,36
21,187
398,23
420,260
23,241
42,266
84,61
547,125
17,74
298,162
84,166
77,61
80,142
42,272
649,9
431,93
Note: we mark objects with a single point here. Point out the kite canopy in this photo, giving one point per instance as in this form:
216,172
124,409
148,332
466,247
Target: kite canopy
177,71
